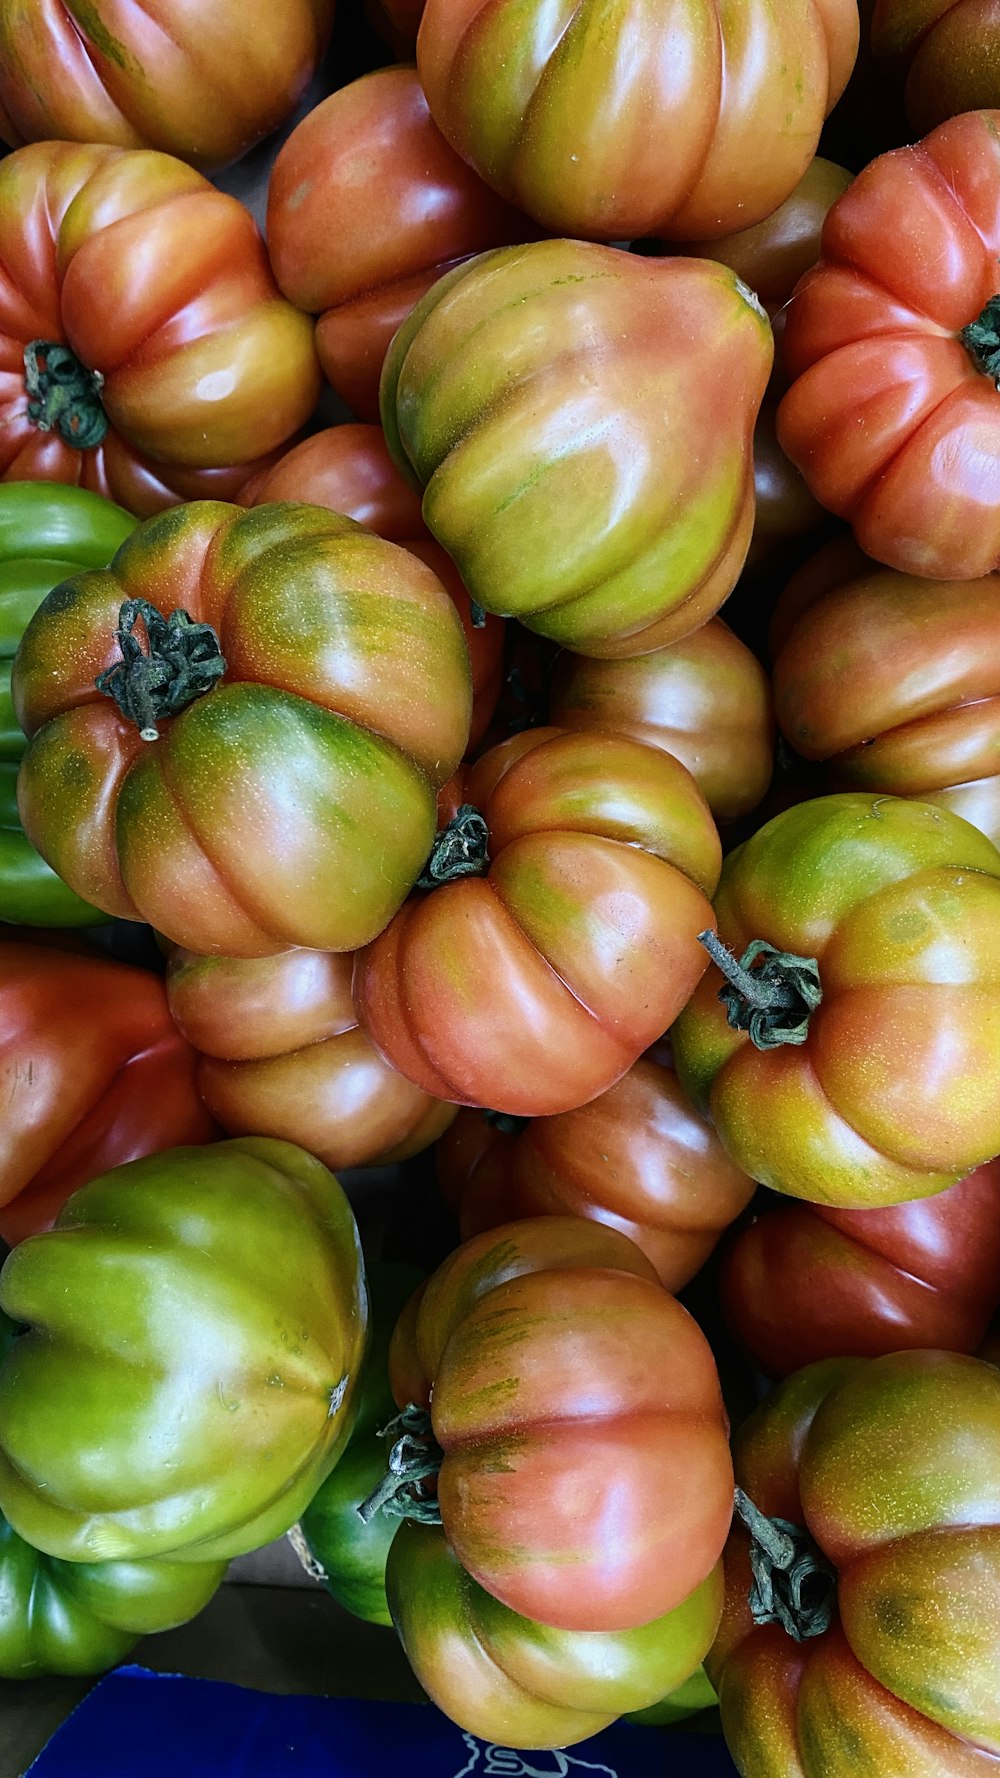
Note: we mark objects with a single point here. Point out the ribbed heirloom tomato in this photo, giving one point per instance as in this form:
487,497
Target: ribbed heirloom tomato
145,349
866,1639
585,1478
681,118
580,420
292,802
853,1058
565,942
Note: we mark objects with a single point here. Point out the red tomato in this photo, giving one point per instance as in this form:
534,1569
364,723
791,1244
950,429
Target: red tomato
535,986
281,1055
95,1073
348,468
858,1064
366,207
704,699
201,82
682,121
893,415
946,50
281,789
638,1158
585,1478
885,1471
805,1282
922,659
145,350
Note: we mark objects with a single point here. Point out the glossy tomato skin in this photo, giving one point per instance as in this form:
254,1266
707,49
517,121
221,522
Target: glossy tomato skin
557,1367
944,50
890,1463
236,1271
705,699
516,1682
307,774
47,531
95,1073
922,658
348,468
280,1054
910,259
588,123
806,1282
367,205
637,1158
898,902
580,420
204,84
535,987
161,286
351,1552
83,1617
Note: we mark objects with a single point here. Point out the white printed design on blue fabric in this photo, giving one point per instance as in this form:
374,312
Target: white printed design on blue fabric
507,1762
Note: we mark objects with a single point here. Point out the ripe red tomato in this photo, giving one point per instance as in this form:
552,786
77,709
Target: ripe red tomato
881,1474
805,1281
638,1158
705,699
201,82
534,980
367,205
145,350
859,1068
292,802
281,1055
922,659
348,468
585,1479
893,415
682,121
94,1072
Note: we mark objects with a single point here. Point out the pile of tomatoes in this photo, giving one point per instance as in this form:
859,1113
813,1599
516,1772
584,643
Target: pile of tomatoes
449,829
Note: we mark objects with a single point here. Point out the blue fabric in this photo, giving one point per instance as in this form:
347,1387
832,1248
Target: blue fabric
164,1726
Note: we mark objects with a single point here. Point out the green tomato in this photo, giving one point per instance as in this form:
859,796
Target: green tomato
195,1332
83,1617
47,532
697,1693
349,1555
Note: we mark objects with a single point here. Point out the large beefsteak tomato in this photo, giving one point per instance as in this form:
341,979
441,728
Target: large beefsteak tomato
584,1478
94,1072
854,1059
293,801
566,940
196,1326
202,82
581,421
145,349
892,340
866,1639
681,118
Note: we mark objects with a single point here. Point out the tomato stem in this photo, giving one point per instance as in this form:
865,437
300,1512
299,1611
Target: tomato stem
981,340
458,851
769,994
63,395
181,662
414,1460
793,1583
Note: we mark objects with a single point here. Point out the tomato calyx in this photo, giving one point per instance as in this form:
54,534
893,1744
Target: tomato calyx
793,1583
460,850
63,395
981,340
181,661
506,1122
414,1461
769,994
